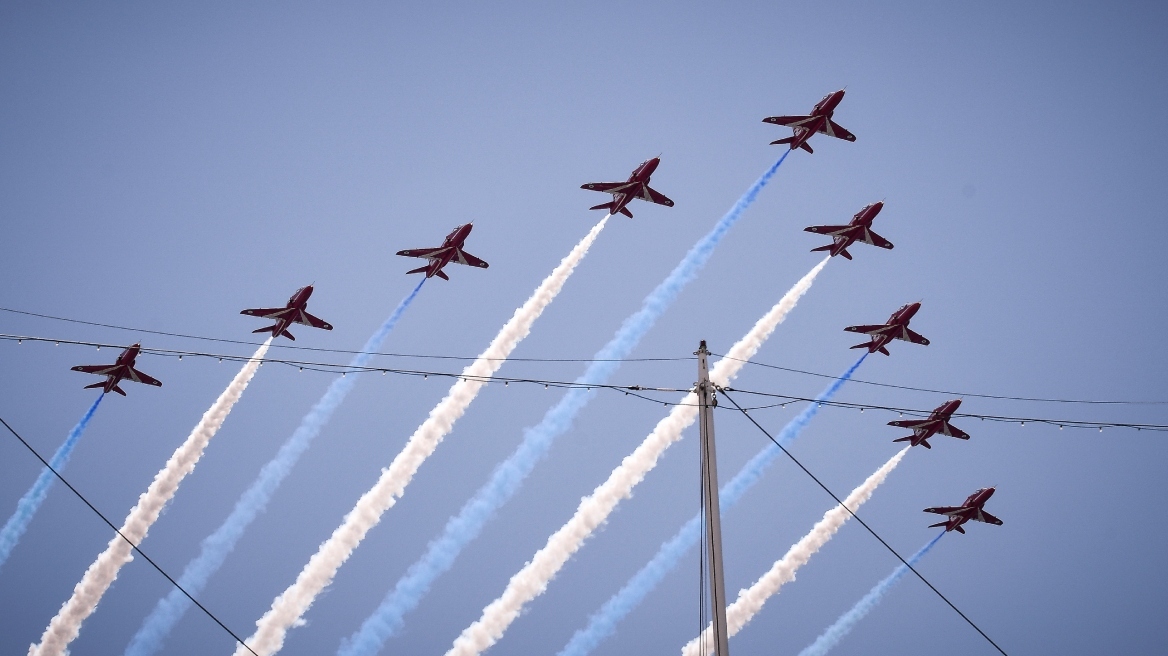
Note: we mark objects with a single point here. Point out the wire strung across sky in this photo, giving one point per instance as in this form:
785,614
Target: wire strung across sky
857,518
116,530
635,391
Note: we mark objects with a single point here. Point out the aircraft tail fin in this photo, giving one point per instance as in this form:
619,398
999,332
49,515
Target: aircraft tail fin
959,530
287,334
626,212
783,141
417,270
442,274
883,350
937,524
602,206
806,146
101,384
118,390
903,439
822,248
268,329
845,253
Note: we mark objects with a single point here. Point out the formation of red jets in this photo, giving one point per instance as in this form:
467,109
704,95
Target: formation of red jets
819,121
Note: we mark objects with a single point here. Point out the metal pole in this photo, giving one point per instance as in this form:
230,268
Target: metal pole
707,401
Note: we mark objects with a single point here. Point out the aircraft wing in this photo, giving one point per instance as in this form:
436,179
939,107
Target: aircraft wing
266,313
99,369
315,322
945,510
422,252
654,196
909,423
950,430
470,260
608,187
789,121
915,337
139,377
876,240
827,229
983,516
833,129
875,329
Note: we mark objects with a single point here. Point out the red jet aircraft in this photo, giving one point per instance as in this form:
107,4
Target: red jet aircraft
818,121
860,229
449,251
896,328
293,312
971,509
937,423
122,369
637,186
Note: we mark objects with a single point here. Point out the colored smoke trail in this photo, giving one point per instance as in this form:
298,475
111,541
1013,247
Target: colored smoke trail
509,475
594,510
603,622
64,628
288,608
836,632
28,505
751,600
218,545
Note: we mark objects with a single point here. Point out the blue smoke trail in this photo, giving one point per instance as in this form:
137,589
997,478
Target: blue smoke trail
27,507
509,475
844,624
216,547
603,623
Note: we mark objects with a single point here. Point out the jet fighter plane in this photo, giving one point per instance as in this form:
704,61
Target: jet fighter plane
449,251
818,121
860,229
936,424
122,369
293,312
637,186
971,509
896,328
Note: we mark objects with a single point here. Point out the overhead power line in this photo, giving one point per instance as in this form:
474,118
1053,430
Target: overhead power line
128,541
636,391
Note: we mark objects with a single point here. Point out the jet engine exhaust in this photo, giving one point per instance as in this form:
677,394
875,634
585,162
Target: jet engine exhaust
603,622
594,510
219,544
751,600
28,505
836,632
509,475
64,628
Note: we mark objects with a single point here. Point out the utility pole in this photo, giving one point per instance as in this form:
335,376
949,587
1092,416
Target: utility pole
707,401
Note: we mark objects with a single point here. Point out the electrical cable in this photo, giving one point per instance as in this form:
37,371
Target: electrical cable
628,390
862,522
119,532
317,349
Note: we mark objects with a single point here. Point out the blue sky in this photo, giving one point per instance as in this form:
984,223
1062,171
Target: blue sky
163,167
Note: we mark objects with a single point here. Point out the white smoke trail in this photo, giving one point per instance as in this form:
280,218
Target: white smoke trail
287,608
533,579
63,628
750,601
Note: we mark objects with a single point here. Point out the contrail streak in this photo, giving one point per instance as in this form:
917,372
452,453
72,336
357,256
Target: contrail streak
603,623
28,505
287,608
508,476
594,510
836,632
63,628
751,600
217,546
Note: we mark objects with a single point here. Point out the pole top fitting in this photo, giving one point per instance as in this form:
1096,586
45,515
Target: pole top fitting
702,349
